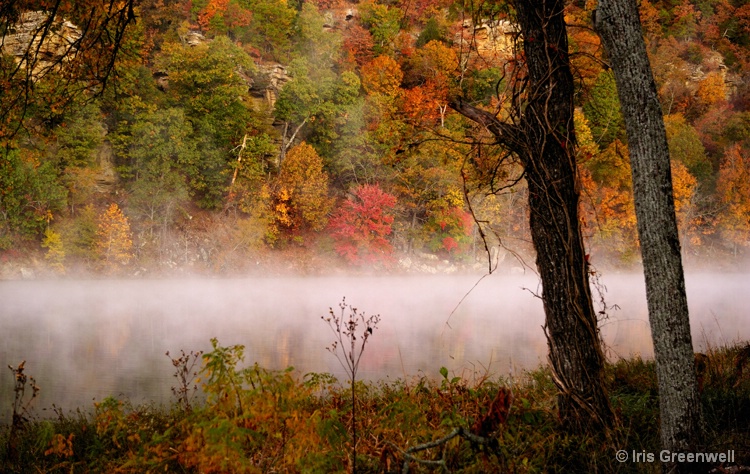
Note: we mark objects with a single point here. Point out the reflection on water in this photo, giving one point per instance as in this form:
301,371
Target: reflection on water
86,340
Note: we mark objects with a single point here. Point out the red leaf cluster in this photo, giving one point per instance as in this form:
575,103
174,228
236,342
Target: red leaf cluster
361,225
496,416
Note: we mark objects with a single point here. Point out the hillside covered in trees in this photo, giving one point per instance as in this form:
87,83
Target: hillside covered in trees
229,135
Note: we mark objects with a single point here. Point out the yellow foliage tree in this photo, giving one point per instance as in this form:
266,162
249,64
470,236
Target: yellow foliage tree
712,89
435,61
113,237
684,186
55,250
587,147
382,76
300,200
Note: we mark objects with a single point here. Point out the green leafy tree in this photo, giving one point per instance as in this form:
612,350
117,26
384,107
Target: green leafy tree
79,139
272,27
251,168
482,84
432,31
267,26
208,82
603,111
30,193
163,158
319,45
685,146
357,156
312,106
79,136
427,182
384,23
79,234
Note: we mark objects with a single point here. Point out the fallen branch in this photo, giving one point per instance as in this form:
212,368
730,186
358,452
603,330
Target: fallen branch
408,454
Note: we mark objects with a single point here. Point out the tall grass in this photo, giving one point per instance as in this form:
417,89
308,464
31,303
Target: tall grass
250,419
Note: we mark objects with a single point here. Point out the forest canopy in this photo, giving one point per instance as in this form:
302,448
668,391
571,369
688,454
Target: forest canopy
227,131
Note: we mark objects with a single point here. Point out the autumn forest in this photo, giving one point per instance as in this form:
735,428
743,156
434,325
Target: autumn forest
224,134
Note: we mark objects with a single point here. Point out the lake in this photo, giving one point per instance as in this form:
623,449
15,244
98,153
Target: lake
85,340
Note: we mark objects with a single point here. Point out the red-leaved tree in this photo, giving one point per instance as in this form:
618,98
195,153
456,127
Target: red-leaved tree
360,227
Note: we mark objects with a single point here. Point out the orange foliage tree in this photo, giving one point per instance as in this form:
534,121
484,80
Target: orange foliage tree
733,188
650,20
684,23
210,11
383,76
585,46
223,15
113,237
607,193
684,186
358,45
300,199
432,68
712,89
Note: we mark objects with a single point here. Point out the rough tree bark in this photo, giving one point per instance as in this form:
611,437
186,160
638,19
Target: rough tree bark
618,24
543,138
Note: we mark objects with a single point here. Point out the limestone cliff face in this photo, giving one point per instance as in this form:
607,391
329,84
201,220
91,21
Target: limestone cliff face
268,82
36,45
491,38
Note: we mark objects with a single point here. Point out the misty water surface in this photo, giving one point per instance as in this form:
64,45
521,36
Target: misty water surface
85,340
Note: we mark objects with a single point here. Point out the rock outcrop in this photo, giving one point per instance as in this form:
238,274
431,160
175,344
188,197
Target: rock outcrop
41,46
268,81
491,37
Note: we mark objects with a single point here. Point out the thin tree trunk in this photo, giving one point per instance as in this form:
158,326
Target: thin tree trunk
618,24
544,140
286,144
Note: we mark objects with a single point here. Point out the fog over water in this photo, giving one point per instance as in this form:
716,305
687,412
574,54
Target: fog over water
85,340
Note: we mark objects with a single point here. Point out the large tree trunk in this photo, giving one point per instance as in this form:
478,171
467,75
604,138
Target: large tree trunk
618,24
544,140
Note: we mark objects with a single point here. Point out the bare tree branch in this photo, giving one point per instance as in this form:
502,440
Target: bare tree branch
34,47
506,134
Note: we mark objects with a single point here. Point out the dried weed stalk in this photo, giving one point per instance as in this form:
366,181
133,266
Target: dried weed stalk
185,373
345,330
